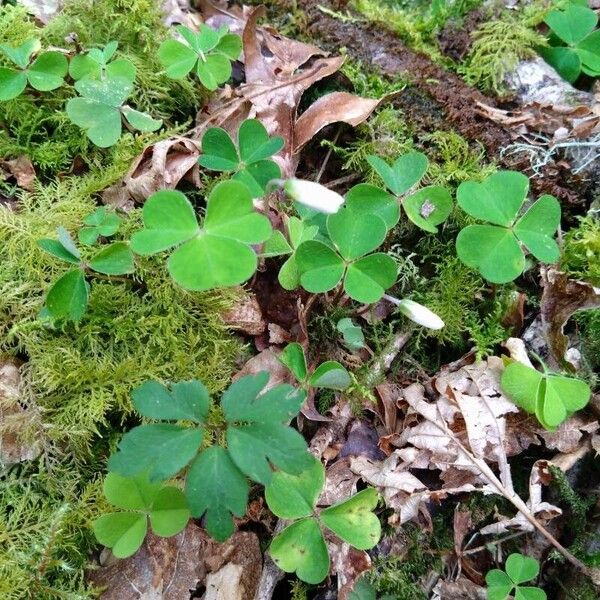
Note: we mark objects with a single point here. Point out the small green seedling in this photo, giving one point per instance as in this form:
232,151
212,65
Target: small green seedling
123,532
45,73
496,248
101,109
249,161
426,208
208,53
100,63
300,547
330,374
550,397
101,223
363,590
519,569
575,27
217,254
68,297
351,333
257,435
354,233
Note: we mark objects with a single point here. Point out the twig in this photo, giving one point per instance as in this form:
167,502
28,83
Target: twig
328,155
382,364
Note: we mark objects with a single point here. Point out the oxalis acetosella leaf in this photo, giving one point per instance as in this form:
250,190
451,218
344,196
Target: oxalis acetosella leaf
216,254
140,500
67,299
100,63
249,161
496,249
101,108
256,431
44,73
301,547
208,53
520,569
551,397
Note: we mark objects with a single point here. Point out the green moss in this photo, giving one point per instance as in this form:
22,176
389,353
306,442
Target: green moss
45,538
498,46
82,375
581,251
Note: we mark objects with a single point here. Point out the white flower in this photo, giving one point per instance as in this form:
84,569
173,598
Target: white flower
314,195
417,312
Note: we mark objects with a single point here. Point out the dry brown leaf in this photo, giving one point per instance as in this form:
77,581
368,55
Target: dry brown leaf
561,297
179,12
567,437
266,361
278,71
161,165
331,108
246,316
462,589
348,564
340,483
235,567
21,170
165,568
19,426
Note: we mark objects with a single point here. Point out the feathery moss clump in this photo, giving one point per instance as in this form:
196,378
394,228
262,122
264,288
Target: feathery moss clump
82,375
581,251
44,536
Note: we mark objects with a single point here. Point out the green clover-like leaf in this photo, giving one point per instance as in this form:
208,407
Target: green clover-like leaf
352,334
521,568
496,250
403,174
250,160
354,521
68,297
550,397
294,359
300,548
572,24
331,375
565,61
499,585
21,55
298,231
429,207
295,496
160,449
116,259
216,255
122,532
208,53
258,435
97,64
216,488
101,222
368,199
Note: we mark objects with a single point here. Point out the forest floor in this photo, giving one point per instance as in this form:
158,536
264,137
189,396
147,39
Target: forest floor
468,469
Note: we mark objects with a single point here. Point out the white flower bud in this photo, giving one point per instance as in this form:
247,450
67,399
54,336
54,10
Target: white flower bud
417,312
314,195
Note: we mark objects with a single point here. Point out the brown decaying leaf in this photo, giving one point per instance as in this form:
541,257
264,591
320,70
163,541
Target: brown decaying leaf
561,297
246,316
161,165
278,71
461,589
347,563
19,426
21,170
165,568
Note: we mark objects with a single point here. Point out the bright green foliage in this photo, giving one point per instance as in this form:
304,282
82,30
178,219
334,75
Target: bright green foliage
123,532
552,398
301,547
298,232
102,222
45,73
68,297
330,374
249,161
519,569
352,334
427,208
208,53
218,254
575,27
354,232
101,107
495,249
257,435
99,64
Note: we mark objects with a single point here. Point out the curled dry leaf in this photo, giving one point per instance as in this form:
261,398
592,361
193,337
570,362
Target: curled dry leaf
161,165
21,170
278,71
340,483
561,297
